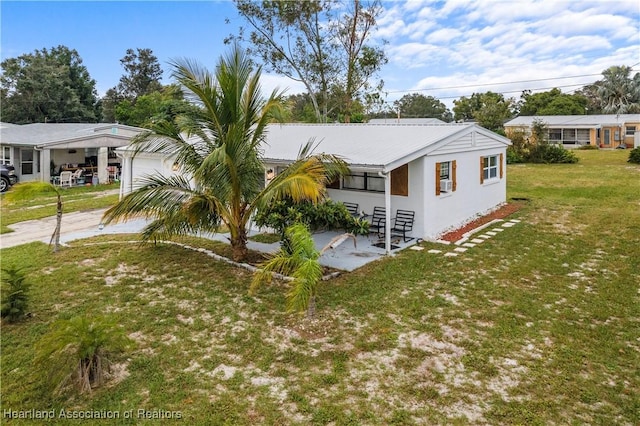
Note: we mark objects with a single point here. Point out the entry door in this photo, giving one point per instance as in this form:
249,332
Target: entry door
607,137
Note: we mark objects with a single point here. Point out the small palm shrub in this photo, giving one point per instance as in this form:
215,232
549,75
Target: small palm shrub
298,259
77,351
634,156
15,294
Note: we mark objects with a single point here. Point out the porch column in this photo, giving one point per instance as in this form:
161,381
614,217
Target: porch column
103,162
45,165
387,210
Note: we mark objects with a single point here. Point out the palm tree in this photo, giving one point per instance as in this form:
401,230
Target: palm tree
299,260
618,92
27,190
217,149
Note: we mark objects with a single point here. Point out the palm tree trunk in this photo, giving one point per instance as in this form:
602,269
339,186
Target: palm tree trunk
56,232
311,310
239,246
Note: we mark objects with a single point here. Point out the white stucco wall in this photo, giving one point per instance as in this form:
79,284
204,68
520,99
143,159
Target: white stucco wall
448,211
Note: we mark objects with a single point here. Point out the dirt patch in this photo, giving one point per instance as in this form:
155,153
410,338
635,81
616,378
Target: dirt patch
504,211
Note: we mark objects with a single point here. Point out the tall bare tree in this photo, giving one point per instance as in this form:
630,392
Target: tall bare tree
324,44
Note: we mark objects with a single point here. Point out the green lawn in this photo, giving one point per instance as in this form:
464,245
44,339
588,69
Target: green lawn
538,325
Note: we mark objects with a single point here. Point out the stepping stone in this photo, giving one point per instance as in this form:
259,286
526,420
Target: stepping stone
491,233
434,251
485,236
508,224
497,230
468,245
416,248
450,254
477,240
515,220
460,249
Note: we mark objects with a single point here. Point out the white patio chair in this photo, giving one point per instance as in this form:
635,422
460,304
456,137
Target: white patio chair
66,178
75,175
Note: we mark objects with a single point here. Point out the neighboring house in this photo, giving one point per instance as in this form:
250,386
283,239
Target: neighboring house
604,131
448,174
396,120
40,150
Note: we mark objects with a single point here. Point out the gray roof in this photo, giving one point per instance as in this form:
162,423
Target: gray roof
366,145
40,134
595,120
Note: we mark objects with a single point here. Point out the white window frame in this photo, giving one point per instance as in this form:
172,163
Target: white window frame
491,164
24,162
630,130
445,170
6,155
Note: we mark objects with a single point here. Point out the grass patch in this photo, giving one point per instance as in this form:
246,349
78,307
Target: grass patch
538,325
266,238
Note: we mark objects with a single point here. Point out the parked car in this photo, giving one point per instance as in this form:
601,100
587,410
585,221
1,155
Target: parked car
8,177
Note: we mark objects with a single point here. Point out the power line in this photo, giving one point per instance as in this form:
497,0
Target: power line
494,84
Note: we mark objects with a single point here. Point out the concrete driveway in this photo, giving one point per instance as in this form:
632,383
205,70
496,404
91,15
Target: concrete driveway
75,225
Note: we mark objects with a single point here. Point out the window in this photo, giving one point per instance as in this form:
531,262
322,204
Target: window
26,161
364,182
444,170
555,135
446,177
6,155
630,130
491,167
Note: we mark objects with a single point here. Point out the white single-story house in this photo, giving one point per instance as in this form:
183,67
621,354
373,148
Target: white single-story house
40,150
448,174
602,130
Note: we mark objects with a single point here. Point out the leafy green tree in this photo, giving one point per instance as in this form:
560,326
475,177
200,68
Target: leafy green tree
324,44
415,105
48,85
218,147
552,102
143,73
488,109
165,104
77,350
27,190
142,77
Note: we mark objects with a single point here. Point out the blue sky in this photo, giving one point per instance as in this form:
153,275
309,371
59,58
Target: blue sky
444,49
